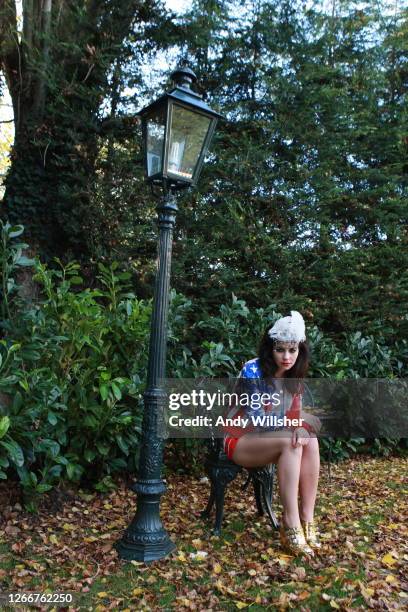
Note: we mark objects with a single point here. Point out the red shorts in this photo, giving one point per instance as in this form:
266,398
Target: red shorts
229,445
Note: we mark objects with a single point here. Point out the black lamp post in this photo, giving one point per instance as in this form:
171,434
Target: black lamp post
177,131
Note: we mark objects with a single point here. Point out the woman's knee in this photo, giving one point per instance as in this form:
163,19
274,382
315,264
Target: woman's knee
289,450
312,446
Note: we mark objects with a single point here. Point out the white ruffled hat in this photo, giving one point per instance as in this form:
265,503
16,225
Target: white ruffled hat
289,329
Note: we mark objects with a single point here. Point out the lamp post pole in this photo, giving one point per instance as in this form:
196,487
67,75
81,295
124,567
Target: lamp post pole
177,131
146,539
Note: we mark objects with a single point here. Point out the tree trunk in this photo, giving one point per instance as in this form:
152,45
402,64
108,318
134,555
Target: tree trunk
57,74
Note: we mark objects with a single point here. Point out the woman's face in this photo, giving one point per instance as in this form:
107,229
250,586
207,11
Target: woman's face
285,354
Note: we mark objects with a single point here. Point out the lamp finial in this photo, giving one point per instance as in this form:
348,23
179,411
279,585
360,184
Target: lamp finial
183,77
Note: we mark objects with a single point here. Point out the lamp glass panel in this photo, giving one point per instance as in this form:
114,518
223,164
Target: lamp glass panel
187,135
155,127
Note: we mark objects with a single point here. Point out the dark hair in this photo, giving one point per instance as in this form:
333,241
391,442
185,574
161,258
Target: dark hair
269,367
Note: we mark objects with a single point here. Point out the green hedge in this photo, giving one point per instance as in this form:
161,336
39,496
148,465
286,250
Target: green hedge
73,365
226,341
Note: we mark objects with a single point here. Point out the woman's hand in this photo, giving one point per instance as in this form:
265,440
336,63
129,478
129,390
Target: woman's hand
300,437
311,420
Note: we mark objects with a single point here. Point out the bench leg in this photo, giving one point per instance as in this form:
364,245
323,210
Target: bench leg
263,479
219,506
221,471
266,498
206,513
258,497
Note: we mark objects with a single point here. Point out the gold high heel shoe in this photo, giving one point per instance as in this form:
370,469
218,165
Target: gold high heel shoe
311,535
293,541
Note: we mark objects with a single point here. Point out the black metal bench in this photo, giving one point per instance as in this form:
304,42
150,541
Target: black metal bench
221,471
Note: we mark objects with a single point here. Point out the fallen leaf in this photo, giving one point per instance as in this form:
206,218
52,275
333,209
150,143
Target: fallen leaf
199,555
284,559
106,548
68,527
299,573
12,530
390,579
366,592
151,579
388,560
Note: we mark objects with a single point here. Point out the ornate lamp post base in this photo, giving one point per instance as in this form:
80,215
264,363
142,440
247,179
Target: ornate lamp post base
145,539
139,552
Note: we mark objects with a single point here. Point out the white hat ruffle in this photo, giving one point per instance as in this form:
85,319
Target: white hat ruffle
289,329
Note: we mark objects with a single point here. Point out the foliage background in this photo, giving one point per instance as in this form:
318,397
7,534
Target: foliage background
309,167
71,399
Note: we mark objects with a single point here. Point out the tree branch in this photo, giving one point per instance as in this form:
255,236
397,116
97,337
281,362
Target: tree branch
27,42
28,22
39,94
9,49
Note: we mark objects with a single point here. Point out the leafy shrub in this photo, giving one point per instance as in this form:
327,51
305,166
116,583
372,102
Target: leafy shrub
73,364
231,337
71,376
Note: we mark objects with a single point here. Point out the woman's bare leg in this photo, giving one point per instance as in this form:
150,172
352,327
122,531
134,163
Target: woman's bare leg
309,478
289,464
257,451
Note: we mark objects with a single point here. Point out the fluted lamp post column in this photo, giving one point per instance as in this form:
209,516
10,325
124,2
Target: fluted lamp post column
177,131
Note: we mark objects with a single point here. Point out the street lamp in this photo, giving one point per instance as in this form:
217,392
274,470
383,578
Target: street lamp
177,131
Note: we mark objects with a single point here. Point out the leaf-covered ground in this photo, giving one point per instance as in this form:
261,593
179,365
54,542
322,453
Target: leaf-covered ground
68,547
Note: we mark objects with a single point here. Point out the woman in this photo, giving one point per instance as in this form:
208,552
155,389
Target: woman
283,360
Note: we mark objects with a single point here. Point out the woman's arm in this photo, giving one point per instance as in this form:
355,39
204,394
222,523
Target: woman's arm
310,422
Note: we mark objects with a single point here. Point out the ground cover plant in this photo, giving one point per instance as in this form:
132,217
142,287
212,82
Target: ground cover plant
68,547
73,368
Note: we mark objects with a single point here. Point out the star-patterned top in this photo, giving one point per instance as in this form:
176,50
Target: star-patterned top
281,402
255,385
